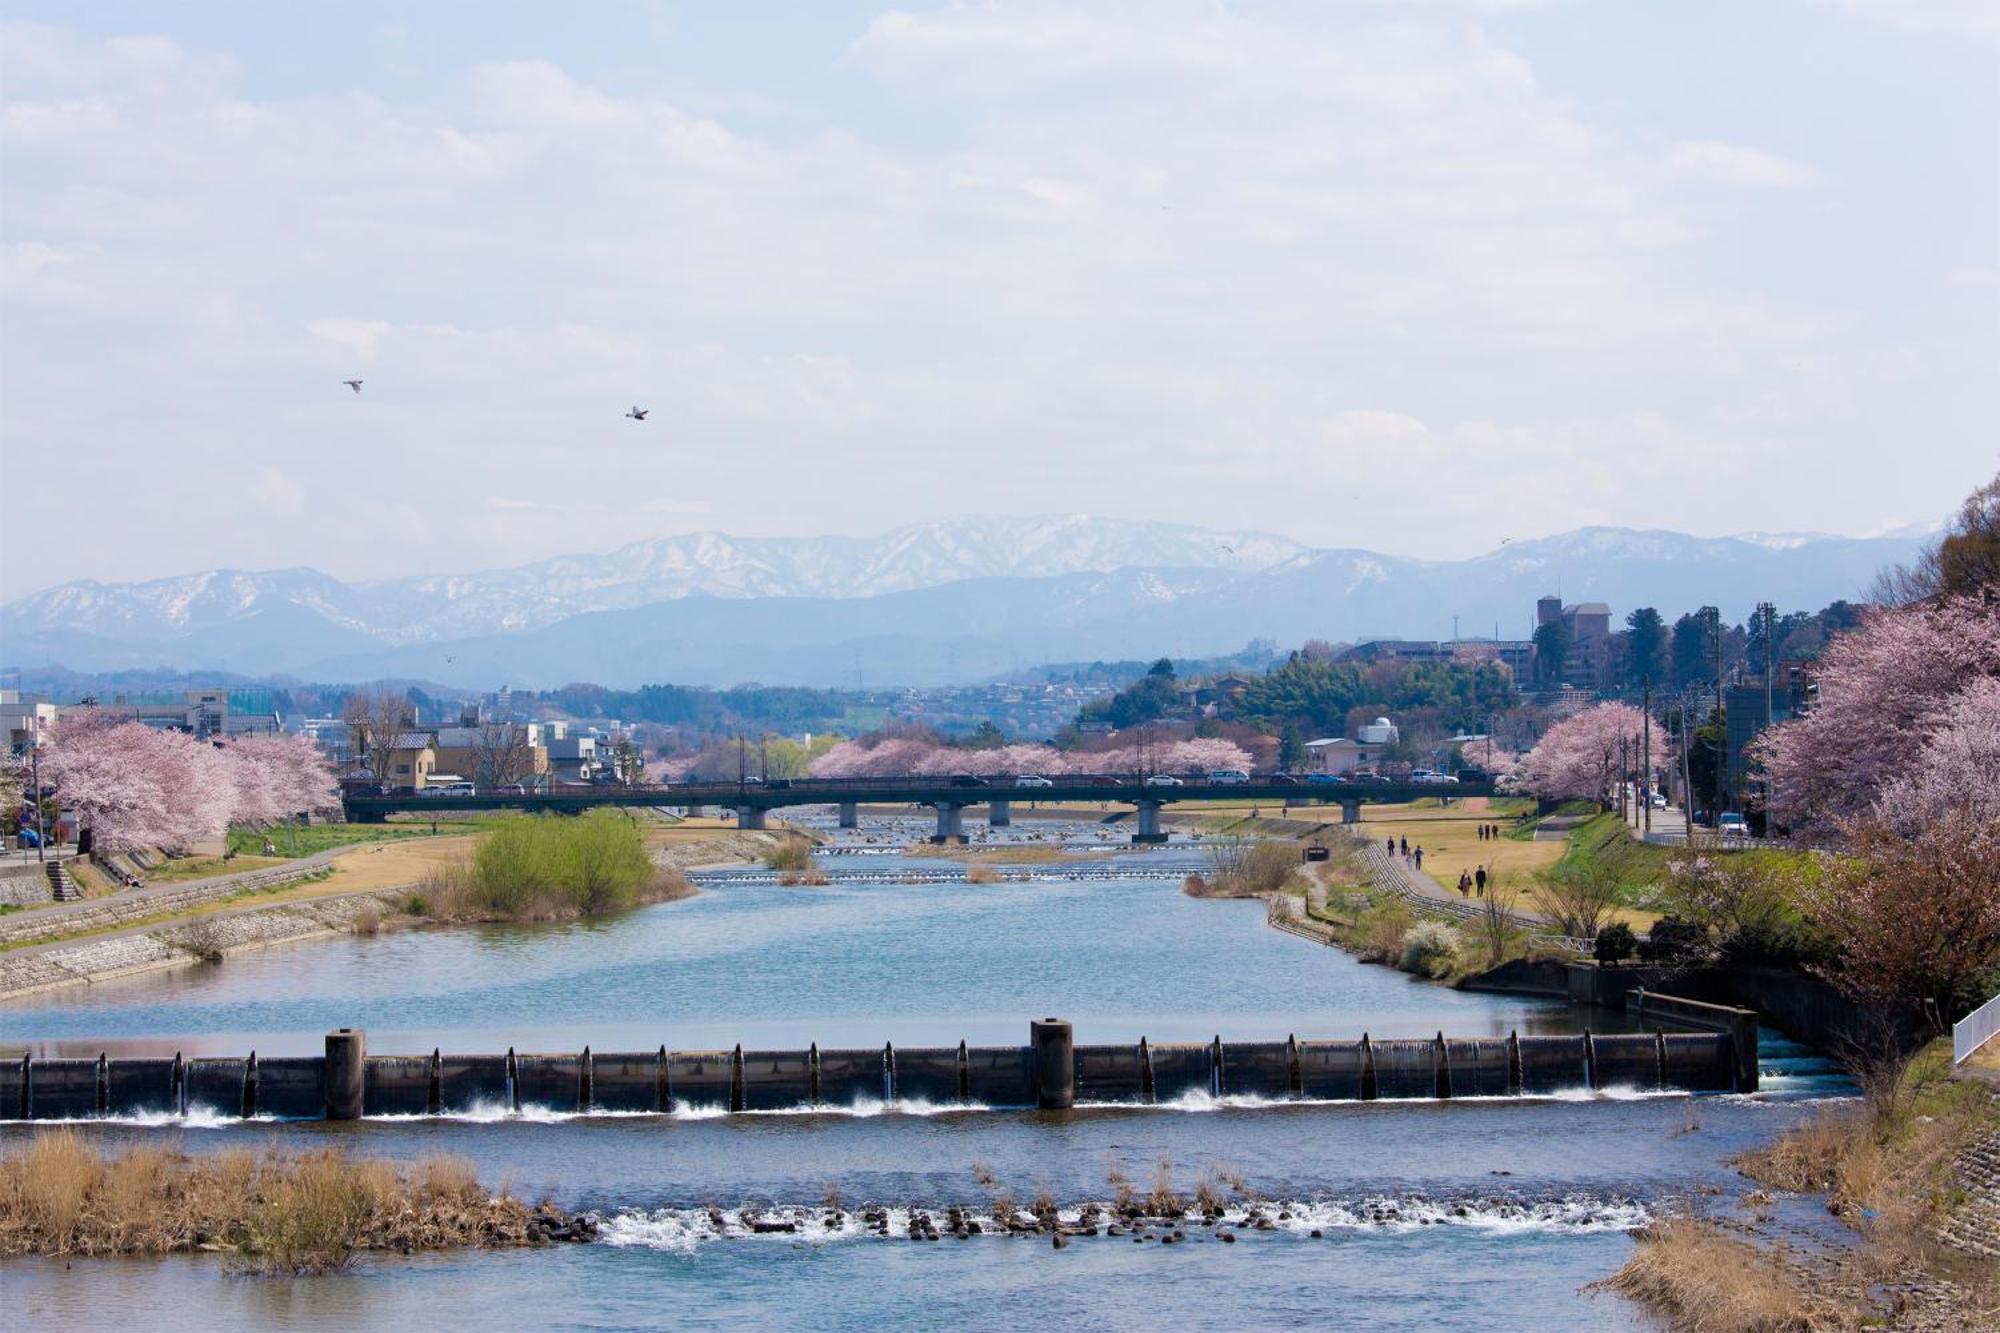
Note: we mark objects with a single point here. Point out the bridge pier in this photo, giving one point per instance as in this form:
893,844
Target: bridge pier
1149,823
999,814
750,816
850,814
1350,812
950,823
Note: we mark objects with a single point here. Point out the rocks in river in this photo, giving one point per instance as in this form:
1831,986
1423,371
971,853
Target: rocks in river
1226,1237
1059,1241
549,1225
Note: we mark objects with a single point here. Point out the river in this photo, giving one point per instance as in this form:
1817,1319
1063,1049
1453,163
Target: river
1483,1214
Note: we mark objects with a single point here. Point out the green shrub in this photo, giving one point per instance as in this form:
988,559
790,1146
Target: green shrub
541,865
1673,940
790,852
1615,942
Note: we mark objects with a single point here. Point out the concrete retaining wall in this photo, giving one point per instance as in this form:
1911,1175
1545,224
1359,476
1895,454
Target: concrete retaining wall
1551,1064
934,1074
551,1081
291,1087
1479,1066
1625,1060
1000,1075
399,1085
776,1080
124,909
629,1082
1738,1025
1405,1068
1110,1074
701,1078
1331,1070
1257,1069
849,1077
1179,1069
214,1084
469,1081
295,1087
62,1089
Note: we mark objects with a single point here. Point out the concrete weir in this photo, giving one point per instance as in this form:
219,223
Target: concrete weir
1051,1073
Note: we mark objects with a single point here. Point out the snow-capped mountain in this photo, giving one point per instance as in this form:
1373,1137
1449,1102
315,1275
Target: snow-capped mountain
448,606
941,602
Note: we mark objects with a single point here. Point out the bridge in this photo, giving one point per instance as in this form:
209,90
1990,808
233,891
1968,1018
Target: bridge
753,800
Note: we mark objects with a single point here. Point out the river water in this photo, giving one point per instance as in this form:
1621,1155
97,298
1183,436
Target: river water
1472,1214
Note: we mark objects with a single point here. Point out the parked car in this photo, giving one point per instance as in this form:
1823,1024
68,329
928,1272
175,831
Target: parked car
1659,800
967,780
1732,825
1032,780
1164,780
1323,779
1228,777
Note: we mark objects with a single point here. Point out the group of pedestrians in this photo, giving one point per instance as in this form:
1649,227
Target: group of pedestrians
1488,832
1401,847
1472,881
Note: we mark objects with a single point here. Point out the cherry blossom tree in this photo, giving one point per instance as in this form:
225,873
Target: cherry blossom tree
278,778
1579,757
1957,766
1888,694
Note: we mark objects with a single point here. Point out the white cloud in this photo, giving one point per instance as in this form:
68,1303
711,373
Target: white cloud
1734,164
1974,275
1975,17
1107,251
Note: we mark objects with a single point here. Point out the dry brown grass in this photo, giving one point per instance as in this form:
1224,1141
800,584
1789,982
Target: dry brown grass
979,874
277,1212
789,852
1813,1156
810,878
1163,1201
1703,1281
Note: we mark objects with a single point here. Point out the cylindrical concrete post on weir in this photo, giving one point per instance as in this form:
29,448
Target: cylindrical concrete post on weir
346,1066
1054,1047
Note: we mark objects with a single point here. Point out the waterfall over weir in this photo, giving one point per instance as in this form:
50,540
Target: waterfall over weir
1049,1073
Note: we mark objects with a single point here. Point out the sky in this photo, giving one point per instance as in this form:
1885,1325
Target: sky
1411,275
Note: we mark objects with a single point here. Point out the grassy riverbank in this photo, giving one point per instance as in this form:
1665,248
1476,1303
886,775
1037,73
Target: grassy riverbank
1892,1168
270,1211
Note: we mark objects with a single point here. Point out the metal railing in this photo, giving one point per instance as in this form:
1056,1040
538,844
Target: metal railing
1977,1028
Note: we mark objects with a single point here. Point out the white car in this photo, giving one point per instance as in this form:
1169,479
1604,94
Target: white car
1659,800
1733,826
1228,777
1030,780
1163,780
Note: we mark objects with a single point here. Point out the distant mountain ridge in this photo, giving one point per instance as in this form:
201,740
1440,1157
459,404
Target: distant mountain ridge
935,603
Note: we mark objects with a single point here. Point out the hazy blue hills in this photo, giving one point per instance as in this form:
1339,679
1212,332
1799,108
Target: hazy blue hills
923,605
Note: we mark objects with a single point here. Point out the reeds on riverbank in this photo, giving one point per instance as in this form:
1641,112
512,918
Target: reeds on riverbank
274,1211
1706,1282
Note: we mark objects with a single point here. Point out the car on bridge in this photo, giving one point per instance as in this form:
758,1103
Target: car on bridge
1164,780
1032,780
1324,780
967,780
1228,777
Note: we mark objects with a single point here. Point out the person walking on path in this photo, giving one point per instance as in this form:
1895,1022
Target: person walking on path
1482,833
1465,884
1419,854
1405,844
1479,878
1390,845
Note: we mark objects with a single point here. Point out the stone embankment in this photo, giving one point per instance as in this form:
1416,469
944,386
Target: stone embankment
181,943
32,968
137,905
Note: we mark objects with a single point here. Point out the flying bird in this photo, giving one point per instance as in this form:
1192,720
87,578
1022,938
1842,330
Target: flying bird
353,384
638,413
1230,549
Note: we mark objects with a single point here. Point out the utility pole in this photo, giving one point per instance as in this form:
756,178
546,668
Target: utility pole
1646,755
41,823
1722,715
1624,779
1770,614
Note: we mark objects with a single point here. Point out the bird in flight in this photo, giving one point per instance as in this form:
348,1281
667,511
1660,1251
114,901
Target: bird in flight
1230,549
353,384
638,413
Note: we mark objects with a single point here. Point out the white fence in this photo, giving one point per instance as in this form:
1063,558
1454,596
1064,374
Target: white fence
1977,1028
